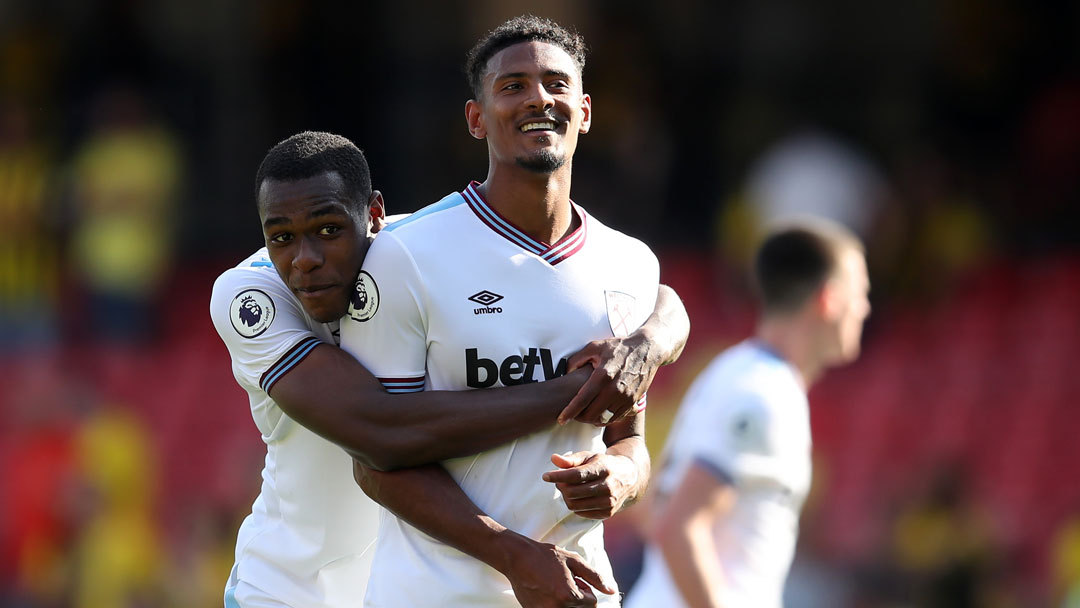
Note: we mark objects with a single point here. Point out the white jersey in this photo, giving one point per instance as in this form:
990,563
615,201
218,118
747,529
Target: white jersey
745,419
454,298
308,540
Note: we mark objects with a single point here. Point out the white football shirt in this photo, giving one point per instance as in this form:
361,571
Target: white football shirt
456,297
746,419
308,540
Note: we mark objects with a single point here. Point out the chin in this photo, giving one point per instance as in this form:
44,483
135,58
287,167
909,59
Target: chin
544,161
851,354
324,314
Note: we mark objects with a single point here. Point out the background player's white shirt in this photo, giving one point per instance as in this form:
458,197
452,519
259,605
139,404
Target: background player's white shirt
308,540
746,419
466,300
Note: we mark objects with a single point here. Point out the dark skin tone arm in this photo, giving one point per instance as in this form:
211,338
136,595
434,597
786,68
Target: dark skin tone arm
593,485
541,574
330,393
597,485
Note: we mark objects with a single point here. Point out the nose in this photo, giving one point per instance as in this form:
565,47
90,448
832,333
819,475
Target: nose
540,98
308,255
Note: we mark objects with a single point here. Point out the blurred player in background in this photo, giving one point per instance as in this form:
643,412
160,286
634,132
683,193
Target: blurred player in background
277,312
549,279
725,509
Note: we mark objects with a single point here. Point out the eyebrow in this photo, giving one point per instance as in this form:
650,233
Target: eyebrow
325,209
546,74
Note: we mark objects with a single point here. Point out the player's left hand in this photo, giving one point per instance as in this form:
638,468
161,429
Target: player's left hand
594,485
623,369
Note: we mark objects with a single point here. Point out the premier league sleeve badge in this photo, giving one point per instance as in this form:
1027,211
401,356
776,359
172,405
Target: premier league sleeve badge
364,302
251,312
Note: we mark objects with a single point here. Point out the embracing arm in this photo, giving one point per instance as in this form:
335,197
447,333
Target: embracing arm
335,396
330,393
541,574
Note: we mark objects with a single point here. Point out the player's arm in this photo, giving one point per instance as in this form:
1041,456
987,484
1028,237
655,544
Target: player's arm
541,574
335,396
624,368
682,529
596,485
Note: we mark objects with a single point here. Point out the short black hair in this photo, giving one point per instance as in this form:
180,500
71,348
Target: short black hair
524,28
312,153
796,259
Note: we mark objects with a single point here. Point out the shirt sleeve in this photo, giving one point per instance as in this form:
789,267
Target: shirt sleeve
262,325
739,441
386,328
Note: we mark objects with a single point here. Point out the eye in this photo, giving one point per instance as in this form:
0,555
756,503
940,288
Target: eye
280,238
558,84
329,230
512,86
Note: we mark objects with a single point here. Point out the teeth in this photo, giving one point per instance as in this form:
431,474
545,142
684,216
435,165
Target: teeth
532,126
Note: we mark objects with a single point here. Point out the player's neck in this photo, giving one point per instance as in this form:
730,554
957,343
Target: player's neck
786,337
538,204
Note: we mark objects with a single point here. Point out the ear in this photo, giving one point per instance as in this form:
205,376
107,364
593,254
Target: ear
475,119
376,212
586,111
827,300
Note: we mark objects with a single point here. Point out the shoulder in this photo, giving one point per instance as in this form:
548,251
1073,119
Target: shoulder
734,383
426,218
255,272
249,296
615,241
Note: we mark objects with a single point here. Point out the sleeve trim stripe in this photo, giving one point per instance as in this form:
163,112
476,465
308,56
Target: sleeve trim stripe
399,391
406,385
720,474
288,361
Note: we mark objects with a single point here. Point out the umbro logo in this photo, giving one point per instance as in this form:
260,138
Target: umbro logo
485,299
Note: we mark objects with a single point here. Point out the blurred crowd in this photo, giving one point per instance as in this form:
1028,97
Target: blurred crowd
946,134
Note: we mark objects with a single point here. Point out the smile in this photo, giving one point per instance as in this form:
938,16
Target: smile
546,125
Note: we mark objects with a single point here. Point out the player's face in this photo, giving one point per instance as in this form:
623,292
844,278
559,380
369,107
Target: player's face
316,239
850,292
531,109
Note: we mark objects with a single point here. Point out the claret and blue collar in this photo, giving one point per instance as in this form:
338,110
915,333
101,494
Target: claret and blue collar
552,254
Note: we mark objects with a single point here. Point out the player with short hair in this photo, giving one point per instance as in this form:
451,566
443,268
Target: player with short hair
549,278
304,542
725,509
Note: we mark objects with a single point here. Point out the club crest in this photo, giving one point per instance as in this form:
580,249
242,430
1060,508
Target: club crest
620,312
251,312
365,298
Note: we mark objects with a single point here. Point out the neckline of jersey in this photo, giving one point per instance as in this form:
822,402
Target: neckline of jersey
565,247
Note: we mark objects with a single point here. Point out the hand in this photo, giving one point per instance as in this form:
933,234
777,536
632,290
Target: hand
623,369
593,485
543,575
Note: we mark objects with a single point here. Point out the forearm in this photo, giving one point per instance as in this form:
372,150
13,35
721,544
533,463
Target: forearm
334,396
626,441
429,499
668,327
436,425
633,450
692,560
